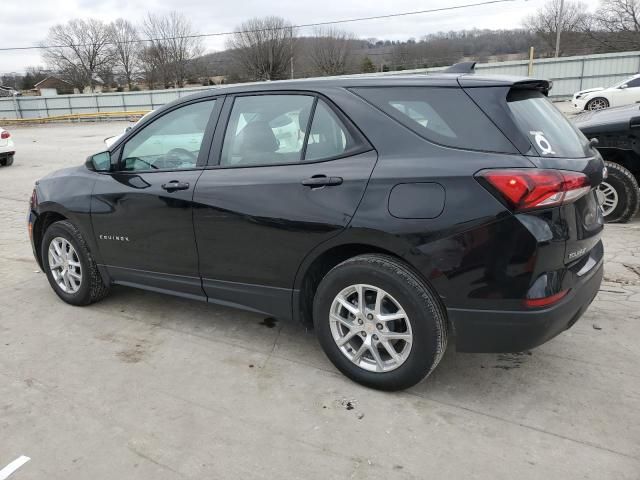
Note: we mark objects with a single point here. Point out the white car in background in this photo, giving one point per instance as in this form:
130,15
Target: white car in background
7,148
111,140
626,92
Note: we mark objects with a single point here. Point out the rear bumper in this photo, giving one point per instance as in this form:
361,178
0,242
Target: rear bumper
515,331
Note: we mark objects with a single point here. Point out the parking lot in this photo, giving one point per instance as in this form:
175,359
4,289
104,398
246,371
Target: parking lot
147,386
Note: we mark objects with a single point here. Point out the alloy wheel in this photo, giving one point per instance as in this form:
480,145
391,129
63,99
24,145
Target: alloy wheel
371,328
64,264
607,197
598,104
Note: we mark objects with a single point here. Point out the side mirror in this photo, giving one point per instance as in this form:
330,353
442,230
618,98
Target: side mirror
100,162
622,87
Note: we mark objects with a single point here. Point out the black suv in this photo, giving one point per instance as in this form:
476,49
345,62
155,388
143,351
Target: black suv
393,213
618,133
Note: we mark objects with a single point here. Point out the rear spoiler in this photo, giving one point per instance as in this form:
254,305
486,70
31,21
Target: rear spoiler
543,86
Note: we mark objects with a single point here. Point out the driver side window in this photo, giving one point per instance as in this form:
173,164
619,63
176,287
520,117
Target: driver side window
635,83
172,142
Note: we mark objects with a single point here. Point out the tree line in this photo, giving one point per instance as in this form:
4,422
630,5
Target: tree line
164,51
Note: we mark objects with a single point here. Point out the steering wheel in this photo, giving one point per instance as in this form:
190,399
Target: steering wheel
177,156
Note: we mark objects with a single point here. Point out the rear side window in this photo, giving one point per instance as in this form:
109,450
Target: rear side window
550,133
274,129
446,116
328,137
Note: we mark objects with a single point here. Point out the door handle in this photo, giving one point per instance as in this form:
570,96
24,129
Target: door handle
321,181
174,185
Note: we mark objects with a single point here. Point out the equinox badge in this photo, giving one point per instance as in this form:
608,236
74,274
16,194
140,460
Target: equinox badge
118,238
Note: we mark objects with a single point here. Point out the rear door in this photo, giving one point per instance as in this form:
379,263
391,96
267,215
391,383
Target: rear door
286,174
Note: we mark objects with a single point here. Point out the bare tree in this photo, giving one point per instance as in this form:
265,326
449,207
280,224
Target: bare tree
172,45
126,48
546,21
332,50
263,48
616,24
78,49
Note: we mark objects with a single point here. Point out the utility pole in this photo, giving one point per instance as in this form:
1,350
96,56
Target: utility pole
291,51
559,27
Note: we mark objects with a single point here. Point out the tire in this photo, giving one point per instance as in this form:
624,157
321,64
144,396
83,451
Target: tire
90,287
7,161
425,320
621,194
597,103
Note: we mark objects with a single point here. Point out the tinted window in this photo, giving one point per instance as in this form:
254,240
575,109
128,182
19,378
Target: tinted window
549,132
328,136
172,141
446,116
633,83
266,129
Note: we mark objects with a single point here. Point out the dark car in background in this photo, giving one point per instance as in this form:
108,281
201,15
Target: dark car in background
392,213
618,133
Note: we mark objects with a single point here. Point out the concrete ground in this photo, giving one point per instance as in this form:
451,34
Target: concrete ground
145,386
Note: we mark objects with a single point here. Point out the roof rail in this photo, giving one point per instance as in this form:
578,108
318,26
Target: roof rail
462,67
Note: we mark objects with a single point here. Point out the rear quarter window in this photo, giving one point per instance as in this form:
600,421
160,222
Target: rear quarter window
442,115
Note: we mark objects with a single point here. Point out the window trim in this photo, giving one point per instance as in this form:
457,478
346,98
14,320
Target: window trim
205,146
215,155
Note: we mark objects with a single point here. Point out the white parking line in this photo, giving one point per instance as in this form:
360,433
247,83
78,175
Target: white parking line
13,466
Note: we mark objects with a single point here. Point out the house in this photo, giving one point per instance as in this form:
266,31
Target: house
52,86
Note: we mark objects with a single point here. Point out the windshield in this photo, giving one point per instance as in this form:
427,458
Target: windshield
548,130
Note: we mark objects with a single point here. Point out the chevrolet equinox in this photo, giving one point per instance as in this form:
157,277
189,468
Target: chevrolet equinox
392,213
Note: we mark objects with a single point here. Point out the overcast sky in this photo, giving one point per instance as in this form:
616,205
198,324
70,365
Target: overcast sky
26,23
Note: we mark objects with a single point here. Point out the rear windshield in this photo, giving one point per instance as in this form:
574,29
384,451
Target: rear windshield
549,132
443,115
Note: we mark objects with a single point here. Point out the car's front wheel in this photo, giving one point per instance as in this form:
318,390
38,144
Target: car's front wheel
597,103
69,266
379,323
619,194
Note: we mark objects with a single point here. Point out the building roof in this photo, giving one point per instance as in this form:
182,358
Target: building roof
51,82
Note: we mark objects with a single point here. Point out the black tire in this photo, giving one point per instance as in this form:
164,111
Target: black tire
420,302
626,186
92,288
7,161
590,103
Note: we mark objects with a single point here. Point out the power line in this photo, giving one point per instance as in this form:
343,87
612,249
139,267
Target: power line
302,25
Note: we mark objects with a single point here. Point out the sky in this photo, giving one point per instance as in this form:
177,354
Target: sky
21,26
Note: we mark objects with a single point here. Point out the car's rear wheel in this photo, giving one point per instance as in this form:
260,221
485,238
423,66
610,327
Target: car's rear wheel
379,323
597,103
69,266
5,162
619,194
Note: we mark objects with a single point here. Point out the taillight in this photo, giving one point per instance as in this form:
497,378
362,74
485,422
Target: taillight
4,135
545,301
527,189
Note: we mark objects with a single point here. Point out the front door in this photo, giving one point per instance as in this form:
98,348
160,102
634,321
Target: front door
142,214
290,173
628,95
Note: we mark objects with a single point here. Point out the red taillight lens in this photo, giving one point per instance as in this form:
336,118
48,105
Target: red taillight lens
526,189
4,135
545,301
